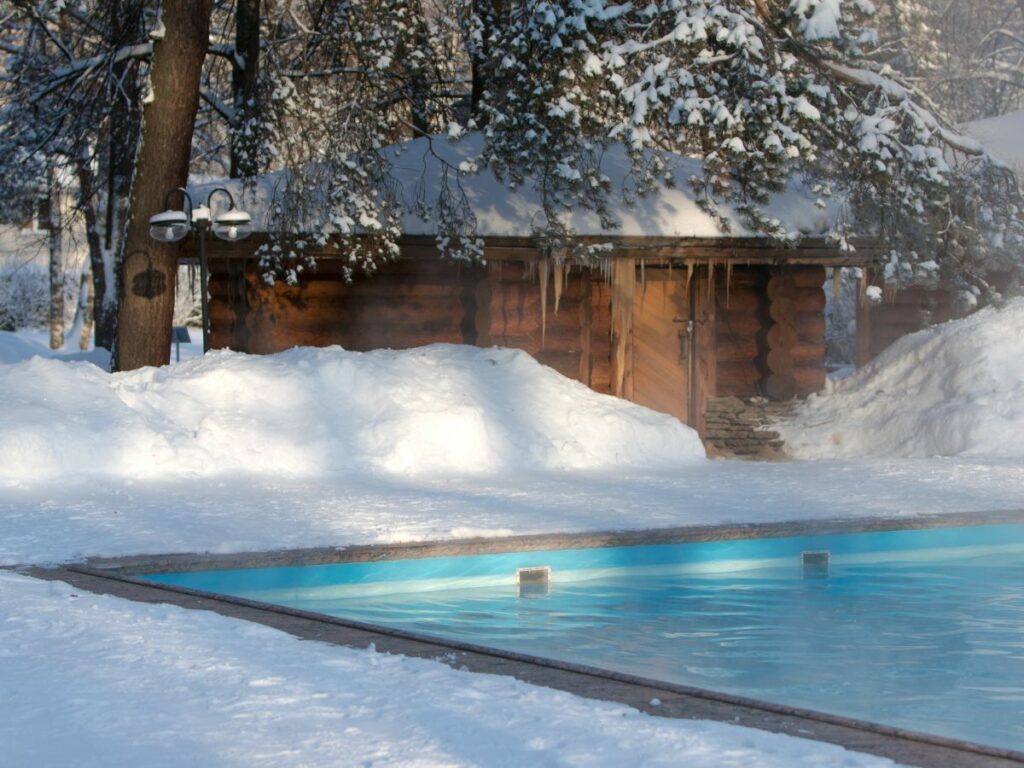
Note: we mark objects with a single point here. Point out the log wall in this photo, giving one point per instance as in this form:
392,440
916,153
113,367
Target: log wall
900,312
771,331
741,305
742,330
519,318
407,304
907,310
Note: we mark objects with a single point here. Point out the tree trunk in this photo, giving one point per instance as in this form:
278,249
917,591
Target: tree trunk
103,315
81,326
88,316
149,267
55,242
244,80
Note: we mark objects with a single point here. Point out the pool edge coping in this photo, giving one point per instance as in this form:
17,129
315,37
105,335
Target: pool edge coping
456,547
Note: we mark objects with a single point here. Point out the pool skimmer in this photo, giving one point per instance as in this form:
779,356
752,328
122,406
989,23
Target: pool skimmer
815,563
533,581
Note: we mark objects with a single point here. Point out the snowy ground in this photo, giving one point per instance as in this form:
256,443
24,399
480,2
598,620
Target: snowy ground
95,681
70,520
33,342
88,680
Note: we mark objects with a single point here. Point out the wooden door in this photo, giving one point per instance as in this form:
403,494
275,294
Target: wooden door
662,343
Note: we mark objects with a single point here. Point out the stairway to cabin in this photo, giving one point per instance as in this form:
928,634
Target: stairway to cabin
738,427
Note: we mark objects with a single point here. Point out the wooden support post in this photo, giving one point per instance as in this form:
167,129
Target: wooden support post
586,323
863,352
239,304
623,286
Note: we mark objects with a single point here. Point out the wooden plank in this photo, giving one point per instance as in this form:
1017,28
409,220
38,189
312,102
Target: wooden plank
271,337
736,325
660,348
738,380
705,368
808,277
482,314
737,349
623,288
750,250
586,315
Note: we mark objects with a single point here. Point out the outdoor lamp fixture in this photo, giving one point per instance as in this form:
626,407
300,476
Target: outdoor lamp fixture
172,225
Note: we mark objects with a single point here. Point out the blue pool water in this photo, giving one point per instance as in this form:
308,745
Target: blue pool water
914,629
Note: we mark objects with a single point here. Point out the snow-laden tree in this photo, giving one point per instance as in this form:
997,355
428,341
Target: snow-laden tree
70,99
975,66
762,91
967,56
337,82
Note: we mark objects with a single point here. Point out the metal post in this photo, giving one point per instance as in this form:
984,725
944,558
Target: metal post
201,228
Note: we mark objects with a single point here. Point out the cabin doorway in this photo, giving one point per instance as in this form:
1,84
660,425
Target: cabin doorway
672,347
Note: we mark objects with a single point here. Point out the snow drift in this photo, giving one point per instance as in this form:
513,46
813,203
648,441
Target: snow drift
14,348
954,389
442,409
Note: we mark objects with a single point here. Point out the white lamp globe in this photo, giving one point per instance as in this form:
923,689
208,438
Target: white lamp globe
169,226
232,225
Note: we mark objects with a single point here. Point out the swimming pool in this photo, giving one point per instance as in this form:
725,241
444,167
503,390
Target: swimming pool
921,629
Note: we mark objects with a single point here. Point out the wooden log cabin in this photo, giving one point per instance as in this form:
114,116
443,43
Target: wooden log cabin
669,329
672,318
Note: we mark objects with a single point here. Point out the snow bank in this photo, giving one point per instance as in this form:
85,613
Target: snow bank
956,389
422,167
16,347
442,409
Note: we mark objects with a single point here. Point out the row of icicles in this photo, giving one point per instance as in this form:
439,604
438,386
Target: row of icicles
554,273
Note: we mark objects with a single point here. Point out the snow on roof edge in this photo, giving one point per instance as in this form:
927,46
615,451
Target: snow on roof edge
418,169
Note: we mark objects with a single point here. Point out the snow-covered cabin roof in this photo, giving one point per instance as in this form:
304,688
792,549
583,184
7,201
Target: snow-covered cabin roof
421,166
1002,137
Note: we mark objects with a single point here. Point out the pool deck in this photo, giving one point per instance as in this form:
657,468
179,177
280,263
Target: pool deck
109,576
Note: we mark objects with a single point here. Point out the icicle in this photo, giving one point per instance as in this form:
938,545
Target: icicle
542,268
643,282
837,283
728,281
689,276
711,279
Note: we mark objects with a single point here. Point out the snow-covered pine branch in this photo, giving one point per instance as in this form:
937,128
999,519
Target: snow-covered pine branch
761,92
